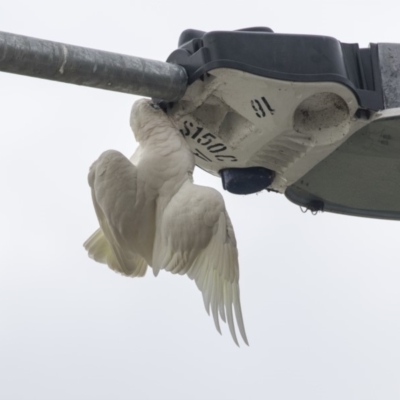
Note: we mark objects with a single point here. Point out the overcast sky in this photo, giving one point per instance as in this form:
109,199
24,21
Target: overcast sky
320,295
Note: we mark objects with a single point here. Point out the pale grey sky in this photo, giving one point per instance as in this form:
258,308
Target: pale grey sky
320,295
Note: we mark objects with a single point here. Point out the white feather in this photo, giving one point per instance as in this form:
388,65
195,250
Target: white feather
151,214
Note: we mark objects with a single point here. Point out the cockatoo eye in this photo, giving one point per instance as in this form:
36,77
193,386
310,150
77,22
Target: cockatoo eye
154,106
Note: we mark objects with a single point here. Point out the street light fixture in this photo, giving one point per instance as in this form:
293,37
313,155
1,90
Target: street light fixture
303,115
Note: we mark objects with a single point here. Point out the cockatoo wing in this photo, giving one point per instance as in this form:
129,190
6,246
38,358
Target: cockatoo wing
197,239
113,181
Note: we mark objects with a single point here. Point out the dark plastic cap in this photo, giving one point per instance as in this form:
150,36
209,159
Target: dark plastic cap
246,180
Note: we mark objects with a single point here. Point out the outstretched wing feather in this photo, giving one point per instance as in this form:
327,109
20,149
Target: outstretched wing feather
196,219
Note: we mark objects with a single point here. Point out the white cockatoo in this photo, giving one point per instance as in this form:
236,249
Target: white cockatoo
151,214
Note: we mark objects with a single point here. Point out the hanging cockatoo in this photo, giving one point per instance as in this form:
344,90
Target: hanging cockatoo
151,214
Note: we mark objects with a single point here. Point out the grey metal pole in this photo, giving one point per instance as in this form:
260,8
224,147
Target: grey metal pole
88,67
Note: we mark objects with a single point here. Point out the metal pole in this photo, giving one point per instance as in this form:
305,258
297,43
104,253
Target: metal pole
88,67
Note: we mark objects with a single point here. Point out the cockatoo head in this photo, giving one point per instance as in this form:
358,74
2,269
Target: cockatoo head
145,116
